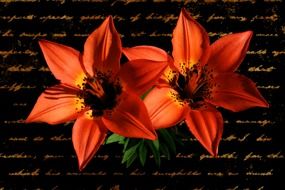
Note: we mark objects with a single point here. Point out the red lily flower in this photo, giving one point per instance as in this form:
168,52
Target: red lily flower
95,91
200,76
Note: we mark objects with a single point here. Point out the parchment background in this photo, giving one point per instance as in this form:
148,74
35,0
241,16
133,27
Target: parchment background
40,156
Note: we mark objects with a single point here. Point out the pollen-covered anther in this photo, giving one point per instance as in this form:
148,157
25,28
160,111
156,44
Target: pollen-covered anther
176,97
170,75
79,103
183,68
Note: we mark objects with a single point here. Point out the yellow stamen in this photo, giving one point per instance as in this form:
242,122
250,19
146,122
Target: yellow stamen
88,114
168,74
79,104
80,80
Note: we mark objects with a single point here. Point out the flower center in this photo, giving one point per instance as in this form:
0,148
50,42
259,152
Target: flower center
99,94
192,87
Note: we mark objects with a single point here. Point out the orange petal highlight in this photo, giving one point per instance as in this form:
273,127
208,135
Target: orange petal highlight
102,49
228,52
163,107
146,52
63,61
87,137
130,118
190,41
236,93
207,126
141,74
54,107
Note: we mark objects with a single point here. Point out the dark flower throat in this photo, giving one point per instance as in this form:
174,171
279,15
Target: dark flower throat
99,94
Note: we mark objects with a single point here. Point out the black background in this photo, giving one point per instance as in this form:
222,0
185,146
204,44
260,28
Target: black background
17,104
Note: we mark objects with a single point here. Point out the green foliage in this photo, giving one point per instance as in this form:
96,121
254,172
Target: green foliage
115,138
130,155
155,151
164,150
141,149
142,152
168,139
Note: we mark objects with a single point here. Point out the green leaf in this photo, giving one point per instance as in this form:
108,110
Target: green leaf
142,152
114,138
168,139
156,144
129,153
122,142
126,144
177,135
164,150
155,152
131,160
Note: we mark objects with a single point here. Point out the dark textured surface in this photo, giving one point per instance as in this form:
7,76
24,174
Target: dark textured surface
41,156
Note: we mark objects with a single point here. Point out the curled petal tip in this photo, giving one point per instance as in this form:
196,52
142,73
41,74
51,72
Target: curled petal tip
28,120
249,33
265,104
186,14
184,11
153,136
81,165
110,21
41,41
215,153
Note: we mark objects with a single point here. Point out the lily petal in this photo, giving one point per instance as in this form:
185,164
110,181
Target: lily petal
54,106
228,52
141,74
102,49
163,107
87,136
130,118
207,127
63,61
236,93
146,52
190,42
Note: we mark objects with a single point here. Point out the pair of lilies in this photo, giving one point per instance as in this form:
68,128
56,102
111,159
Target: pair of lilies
102,94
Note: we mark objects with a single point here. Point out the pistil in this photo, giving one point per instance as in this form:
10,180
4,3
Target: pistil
96,88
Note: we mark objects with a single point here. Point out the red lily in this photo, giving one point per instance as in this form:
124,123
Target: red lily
200,76
95,91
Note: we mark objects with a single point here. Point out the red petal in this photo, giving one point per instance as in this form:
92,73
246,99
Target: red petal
87,136
236,92
63,61
130,118
163,108
146,52
228,52
102,49
190,40
207,126
54,106
141,74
